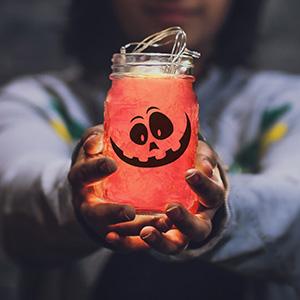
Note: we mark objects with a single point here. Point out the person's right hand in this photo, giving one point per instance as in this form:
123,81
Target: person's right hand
104,222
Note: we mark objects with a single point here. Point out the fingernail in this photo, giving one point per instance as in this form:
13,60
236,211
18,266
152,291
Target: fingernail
174,212
92,136
163,226
206,168
129,214
112,237
150,237
192,177
93,145
190,172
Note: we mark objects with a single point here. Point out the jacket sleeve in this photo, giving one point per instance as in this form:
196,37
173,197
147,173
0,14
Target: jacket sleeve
37,223
260,234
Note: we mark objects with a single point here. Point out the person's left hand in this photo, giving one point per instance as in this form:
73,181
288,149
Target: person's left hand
206,181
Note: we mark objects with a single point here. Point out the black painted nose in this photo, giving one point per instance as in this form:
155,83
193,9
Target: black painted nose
153,146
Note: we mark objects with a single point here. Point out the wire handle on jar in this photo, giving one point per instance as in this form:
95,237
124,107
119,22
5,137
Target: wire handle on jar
156,40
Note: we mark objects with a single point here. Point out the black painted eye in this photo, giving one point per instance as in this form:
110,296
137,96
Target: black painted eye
160,125
139,134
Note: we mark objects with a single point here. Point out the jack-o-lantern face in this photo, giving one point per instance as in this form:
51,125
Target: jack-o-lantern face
160,129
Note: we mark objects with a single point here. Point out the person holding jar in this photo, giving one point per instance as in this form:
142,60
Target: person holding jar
240,244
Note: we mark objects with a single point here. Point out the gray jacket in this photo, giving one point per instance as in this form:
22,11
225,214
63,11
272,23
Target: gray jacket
251,120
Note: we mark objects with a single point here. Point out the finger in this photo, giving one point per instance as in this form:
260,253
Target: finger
101,215
205,152
93,145
207,213
217,178
134,227
195,227
211,192
98,130
87,172
125,243
205,166
171,242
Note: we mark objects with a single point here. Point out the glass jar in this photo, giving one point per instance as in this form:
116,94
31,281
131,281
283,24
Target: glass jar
150,130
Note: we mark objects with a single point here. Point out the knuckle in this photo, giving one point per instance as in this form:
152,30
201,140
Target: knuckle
204,230
217,198
118,213
211,159
210,194
162,224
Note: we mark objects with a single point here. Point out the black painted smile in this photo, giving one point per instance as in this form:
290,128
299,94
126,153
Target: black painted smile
152,161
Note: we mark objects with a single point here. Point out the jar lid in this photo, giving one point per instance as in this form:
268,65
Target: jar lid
178,62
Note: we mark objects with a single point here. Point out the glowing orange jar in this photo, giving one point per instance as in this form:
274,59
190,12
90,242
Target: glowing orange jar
151,127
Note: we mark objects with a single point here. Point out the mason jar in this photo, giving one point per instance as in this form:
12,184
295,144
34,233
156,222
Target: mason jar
150,130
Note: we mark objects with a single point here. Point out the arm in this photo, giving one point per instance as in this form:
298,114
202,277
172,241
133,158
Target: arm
262,235
37,219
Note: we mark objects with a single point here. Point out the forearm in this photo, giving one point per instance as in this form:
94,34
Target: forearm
262,235
38,222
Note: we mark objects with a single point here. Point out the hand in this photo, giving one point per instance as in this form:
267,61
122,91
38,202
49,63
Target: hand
104,222
207,182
